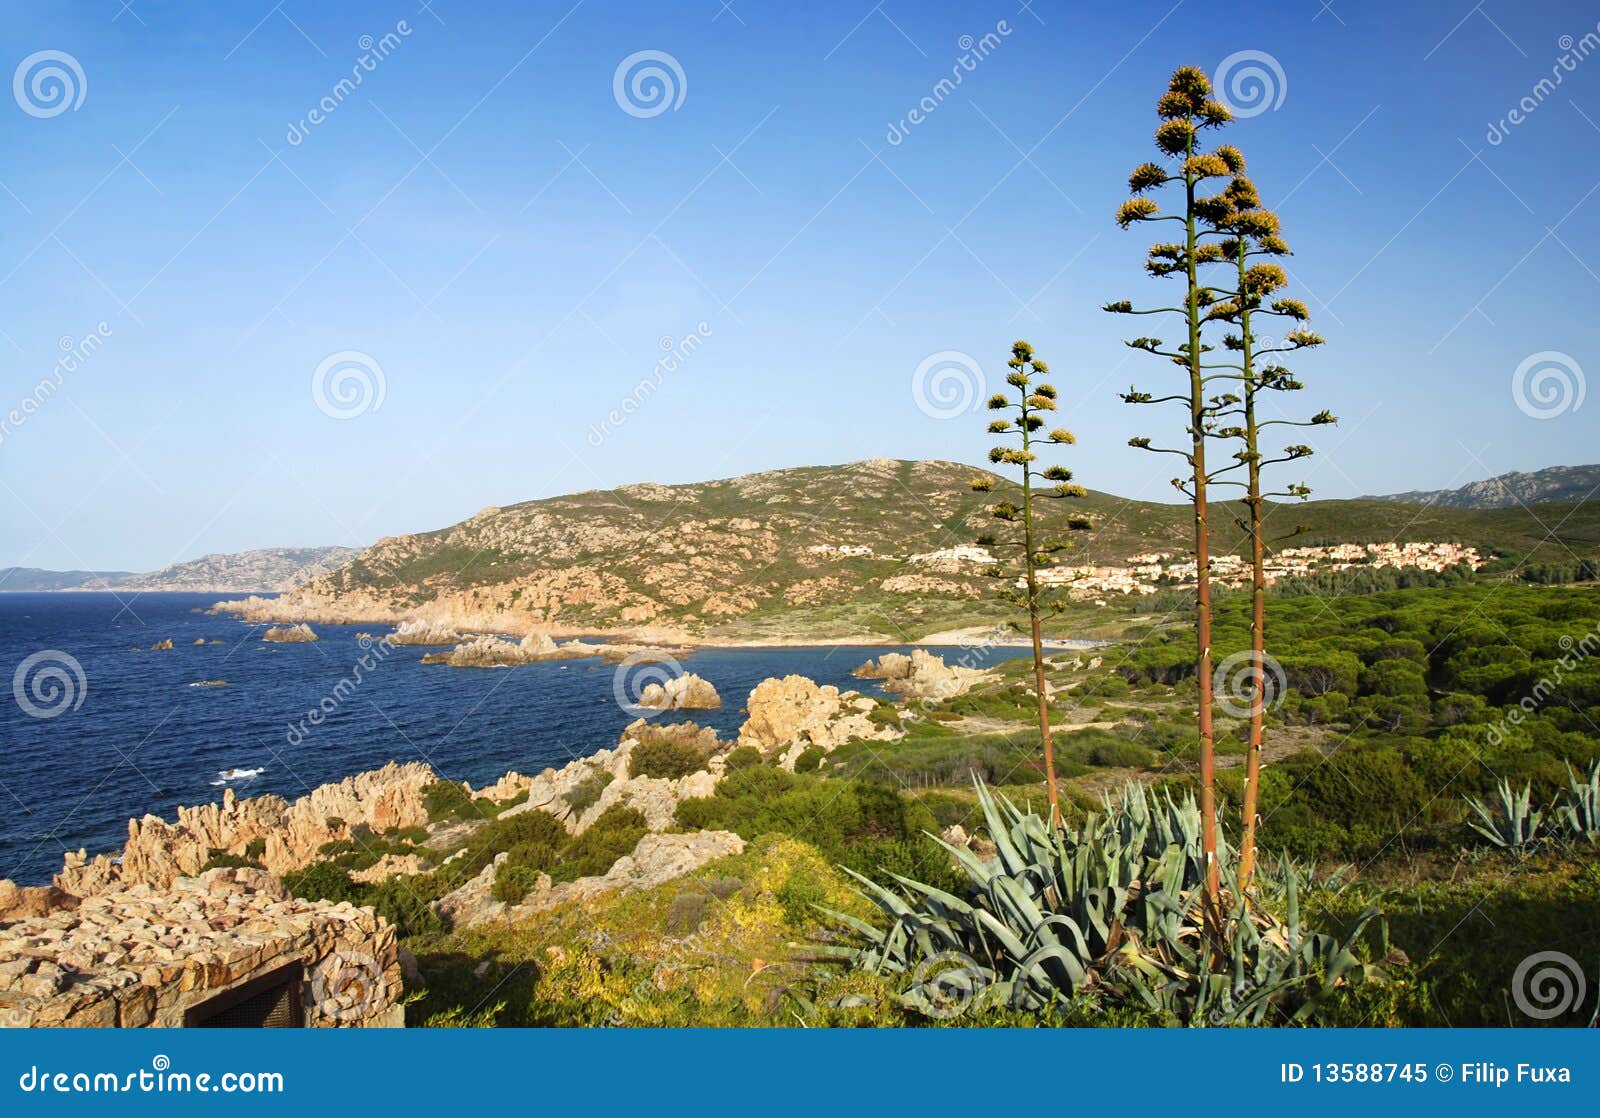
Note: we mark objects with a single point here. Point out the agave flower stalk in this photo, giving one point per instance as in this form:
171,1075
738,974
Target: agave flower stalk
1250,232
1185,110
1031,400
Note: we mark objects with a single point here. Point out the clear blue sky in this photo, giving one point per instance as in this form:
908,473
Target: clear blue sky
514,284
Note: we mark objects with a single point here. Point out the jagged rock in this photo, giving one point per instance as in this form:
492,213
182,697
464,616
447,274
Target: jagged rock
685,692
290,634
497,652
390,865
473,903
158,852
199,640
703,738
20,901
162,646
422,632
788,715
921,676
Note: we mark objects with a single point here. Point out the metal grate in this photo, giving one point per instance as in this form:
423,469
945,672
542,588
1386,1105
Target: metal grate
272,1001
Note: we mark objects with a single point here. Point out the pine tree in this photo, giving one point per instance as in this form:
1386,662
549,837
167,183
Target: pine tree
1186,109
1021,434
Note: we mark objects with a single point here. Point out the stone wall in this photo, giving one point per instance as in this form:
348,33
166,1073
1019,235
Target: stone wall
138,957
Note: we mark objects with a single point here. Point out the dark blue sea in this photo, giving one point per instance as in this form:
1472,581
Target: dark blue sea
94,733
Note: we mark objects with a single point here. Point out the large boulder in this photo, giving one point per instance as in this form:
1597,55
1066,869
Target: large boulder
685,692
789,715
921,676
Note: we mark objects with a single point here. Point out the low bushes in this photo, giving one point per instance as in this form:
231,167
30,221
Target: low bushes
666,759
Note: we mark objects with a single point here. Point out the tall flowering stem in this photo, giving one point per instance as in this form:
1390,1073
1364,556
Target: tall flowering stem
1246,232
1186,110
1020,435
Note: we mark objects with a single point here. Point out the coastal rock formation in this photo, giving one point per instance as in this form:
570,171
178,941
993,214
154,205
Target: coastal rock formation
162,646
685,692
290,634
921,676
20,901
289,835
421,631
139,957
497,652
788,715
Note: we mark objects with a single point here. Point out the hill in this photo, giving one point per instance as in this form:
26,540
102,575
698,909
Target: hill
243,572
820,552
22,579
1566,484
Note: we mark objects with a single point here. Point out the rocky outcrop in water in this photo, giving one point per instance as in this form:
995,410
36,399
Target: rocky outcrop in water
685,692
290,634
921,676
423,632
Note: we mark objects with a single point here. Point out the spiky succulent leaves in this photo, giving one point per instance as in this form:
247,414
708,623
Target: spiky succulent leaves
1108,910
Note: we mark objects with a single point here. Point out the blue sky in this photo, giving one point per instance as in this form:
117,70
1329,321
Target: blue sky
483,220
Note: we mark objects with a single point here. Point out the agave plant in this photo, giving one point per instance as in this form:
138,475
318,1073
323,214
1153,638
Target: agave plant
1113,910
1515,825
1580,815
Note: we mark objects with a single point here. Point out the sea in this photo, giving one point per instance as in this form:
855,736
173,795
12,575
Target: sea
99,728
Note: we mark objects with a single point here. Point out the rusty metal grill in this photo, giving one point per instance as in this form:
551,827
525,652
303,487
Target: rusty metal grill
273,1001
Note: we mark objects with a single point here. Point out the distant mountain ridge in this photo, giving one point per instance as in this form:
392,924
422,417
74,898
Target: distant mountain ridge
263,569
1553,485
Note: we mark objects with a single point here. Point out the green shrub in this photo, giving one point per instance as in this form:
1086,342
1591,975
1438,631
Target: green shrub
668,760
220,859
255,848
447,801
1121,755
810,759
742,758
587,791
615,833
